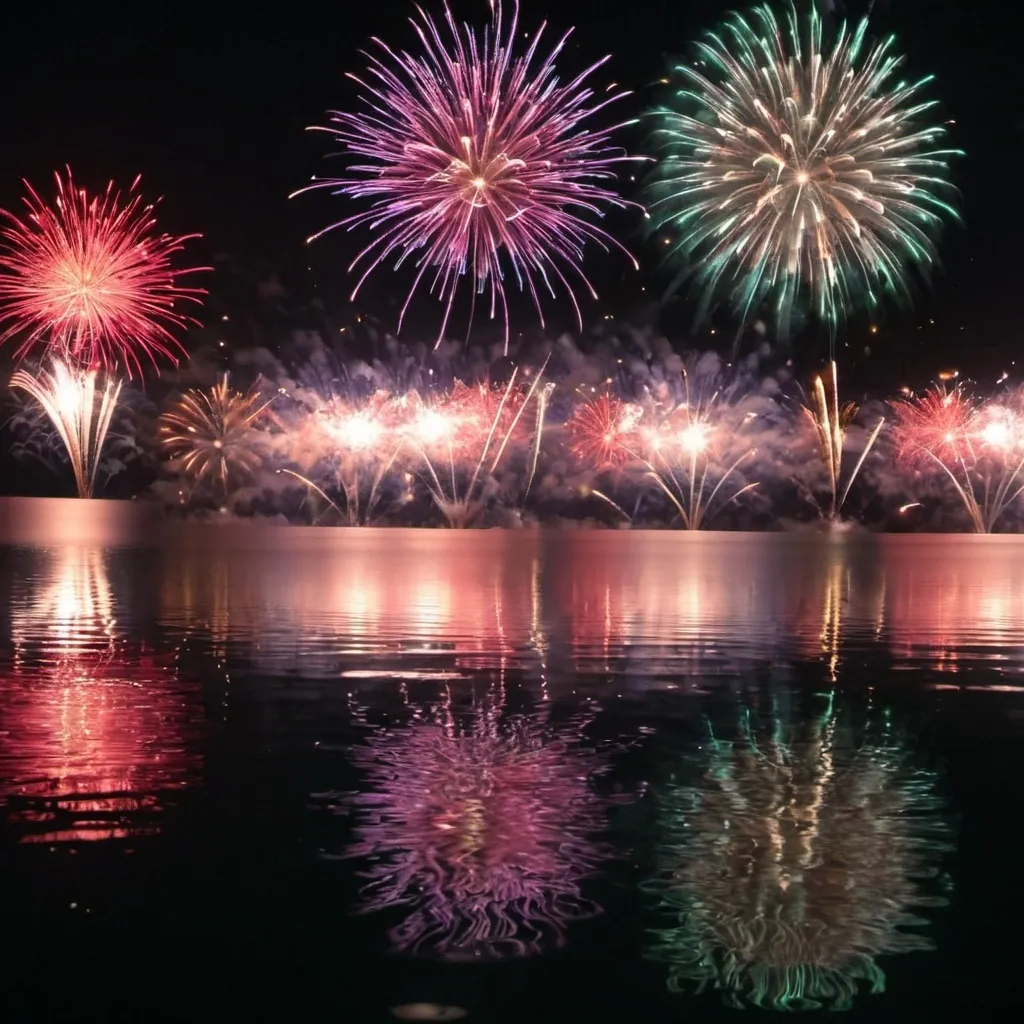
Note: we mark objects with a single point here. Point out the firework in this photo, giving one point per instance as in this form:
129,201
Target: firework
356,445
794,862
797,173
88,278
681,457
482,827
480,162
80,414
978,449
602,431
831,421
471,426
209,434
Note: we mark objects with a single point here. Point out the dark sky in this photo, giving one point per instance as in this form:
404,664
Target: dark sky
211,108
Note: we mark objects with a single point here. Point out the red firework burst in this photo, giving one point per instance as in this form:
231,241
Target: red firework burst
937,424
474,155
601,430
89,278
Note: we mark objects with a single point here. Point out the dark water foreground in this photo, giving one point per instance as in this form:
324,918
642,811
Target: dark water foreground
293,775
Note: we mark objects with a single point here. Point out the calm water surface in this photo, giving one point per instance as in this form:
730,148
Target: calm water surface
291,774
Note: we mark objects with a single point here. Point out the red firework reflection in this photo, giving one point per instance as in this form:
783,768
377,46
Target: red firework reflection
94,727
485,831
90,279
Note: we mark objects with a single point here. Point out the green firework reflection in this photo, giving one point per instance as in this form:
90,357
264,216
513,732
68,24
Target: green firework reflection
795,860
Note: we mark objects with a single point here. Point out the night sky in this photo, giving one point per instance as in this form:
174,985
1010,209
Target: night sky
210,109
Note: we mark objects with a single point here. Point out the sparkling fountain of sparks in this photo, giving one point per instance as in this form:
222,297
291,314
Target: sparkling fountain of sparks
796,861
478,160
361,442
79,411
471,426
799,173
209,434
830,421
90,279
680,457
601,431
979,449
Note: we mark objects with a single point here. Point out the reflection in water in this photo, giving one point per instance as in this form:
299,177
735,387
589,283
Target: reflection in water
793,861
481,824
92,723
651,608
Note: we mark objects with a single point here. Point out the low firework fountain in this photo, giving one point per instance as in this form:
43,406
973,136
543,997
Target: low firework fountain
462,439
359,442
681,457
678,446
482,826
792,861
831,421
978,449
79,411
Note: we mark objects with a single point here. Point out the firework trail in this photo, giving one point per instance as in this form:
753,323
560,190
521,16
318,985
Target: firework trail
794,863
799,174
978,449
480,161
209,434
80,414
482,826
90,280
830,421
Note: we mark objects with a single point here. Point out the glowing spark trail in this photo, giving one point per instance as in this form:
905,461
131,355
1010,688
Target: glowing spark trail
90,280
81,417
478,161
799,173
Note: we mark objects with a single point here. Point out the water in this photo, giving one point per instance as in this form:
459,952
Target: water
319,774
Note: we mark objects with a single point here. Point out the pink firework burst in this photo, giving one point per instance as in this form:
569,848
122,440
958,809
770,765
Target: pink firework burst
88,278
939,424
479,158
603,430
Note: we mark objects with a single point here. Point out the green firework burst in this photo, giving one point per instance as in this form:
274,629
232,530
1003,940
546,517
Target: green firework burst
798,172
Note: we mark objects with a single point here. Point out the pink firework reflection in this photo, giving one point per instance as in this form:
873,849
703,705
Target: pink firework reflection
482,827
478,161
94,726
